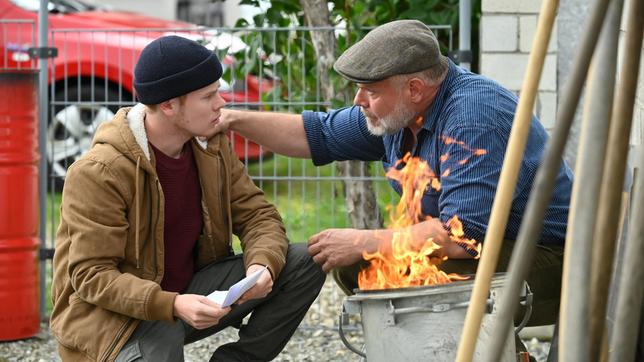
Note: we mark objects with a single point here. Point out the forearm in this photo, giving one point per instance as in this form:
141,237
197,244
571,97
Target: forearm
123,294
334,248
420,233
256,222
280,132
94,239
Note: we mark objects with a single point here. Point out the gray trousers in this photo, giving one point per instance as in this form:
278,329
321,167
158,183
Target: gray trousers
269,328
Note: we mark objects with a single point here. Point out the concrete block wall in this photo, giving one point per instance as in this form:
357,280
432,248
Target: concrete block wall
507,30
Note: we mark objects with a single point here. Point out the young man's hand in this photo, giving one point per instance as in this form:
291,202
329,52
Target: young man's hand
198,311
263,286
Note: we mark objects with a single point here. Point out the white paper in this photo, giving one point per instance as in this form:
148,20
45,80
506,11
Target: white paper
227,297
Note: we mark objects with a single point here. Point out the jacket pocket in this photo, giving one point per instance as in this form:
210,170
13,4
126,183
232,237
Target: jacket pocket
72,325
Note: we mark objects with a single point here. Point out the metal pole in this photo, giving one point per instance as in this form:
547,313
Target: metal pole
507,184
521,260
631,292
43,102
573,334
613,179
465,32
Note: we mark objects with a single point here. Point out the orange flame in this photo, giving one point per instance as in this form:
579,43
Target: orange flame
457,235
475,151
407,262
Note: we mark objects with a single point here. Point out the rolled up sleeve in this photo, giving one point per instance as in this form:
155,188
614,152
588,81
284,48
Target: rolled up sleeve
340,135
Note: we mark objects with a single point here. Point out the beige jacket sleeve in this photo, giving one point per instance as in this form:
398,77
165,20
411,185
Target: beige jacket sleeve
255,221
95,206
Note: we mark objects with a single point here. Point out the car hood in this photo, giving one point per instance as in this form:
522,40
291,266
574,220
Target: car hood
118,19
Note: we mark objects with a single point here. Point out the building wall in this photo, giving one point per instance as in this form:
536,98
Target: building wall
506,31
165,9
233,12
201,12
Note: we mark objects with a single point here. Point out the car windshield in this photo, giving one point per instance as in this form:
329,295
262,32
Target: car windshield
55,6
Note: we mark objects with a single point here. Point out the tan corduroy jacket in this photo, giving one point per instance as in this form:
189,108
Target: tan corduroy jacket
109,246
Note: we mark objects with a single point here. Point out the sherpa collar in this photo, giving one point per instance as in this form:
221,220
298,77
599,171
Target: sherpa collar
135,119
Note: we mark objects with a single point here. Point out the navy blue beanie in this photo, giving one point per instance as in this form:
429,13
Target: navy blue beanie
172,66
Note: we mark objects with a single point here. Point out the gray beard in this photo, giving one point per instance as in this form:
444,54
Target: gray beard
398,119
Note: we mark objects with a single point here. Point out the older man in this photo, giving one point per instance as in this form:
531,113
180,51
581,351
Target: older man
411,99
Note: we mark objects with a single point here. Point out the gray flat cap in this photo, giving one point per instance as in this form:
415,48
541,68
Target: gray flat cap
398,47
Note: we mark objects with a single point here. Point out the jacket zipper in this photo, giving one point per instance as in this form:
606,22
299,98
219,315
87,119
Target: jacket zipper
121,330
225,204
119,334
156,223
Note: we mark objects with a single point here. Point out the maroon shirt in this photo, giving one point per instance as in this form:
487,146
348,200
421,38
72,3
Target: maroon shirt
183,219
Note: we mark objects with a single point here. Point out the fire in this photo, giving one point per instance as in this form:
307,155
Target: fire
407,262
457,235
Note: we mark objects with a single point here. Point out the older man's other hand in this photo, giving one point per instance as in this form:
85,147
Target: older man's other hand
332,248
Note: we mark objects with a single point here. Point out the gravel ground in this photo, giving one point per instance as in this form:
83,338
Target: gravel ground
316,340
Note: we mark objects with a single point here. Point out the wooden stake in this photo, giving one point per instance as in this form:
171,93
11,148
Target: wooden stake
573,320
613,178
507,183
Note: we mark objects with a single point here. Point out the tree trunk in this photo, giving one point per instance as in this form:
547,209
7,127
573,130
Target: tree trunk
359,195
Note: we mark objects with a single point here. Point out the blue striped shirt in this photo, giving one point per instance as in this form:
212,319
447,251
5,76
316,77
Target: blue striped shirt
468,108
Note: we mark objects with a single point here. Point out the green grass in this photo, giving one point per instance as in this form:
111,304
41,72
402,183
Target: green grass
310,205
53,218
306,206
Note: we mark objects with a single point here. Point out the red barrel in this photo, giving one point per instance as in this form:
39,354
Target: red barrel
19,288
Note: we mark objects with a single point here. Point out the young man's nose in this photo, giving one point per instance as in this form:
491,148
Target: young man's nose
219,102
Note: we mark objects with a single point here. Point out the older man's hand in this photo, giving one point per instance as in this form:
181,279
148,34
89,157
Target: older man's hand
332,248
225,119
222,124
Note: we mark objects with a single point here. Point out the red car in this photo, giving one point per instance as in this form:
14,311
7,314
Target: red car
92,75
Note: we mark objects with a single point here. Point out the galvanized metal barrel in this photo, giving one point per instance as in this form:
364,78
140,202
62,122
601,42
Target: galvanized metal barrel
19,295
422,323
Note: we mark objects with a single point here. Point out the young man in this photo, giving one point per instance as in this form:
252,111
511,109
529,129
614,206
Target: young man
412,99
146,228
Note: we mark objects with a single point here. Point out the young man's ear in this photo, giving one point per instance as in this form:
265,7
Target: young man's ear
168,107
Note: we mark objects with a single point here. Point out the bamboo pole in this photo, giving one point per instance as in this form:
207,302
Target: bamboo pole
631,292
573,333
613,178
531,227
507,183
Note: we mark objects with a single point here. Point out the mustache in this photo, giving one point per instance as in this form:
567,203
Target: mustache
366,114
